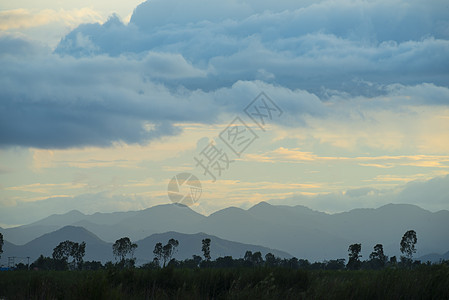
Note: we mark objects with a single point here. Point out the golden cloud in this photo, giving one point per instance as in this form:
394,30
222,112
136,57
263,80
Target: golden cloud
24,18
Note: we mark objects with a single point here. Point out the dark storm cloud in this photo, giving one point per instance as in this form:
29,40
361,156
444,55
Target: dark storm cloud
53,102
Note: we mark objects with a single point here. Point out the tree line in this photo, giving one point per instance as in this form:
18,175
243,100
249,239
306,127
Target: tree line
68,255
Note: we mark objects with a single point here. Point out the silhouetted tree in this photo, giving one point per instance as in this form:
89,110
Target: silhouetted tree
248,256
122,247
303,264
194,262
318,266
206,248
174,263
67,249
169,250
47,263
78,252
157,253
335,264
21,266
151,265
292,263
63,251
92,265
377,257
256,258
225,262
393,260
408,243
354,257
1,244
270,260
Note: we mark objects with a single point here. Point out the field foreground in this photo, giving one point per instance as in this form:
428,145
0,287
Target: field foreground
425,282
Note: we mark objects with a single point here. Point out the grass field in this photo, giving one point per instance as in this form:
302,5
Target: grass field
424,282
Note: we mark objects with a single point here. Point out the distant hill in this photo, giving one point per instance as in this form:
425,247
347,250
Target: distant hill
434,258
297,230
98,250
190,244
95,247
111,226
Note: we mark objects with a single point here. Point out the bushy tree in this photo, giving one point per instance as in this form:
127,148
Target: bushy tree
270,260
354,262
192,263
335,264
225,262
67,249
303,263
256,258
122,247
377,257
253,259
47,263
248,256
92,265
292,263
408,243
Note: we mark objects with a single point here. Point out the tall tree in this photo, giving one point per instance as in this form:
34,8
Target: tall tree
1,244
206,248
78,252
157,252
354,262
67,249
169,250
408,243
248,256
377,257
122,247
270,259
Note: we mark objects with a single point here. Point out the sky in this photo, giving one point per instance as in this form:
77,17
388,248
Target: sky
342,104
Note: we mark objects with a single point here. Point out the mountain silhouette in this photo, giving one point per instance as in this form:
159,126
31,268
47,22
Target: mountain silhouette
296,230
99,250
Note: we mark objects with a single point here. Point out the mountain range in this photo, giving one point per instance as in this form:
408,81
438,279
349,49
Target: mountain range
293,230
99,250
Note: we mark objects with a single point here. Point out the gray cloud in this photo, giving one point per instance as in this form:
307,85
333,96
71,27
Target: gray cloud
53,102
300,46
433,193
178,62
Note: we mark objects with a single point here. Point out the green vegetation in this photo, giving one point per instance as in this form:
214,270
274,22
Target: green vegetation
423,282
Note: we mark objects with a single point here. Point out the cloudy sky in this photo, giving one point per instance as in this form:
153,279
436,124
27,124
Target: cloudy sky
103,102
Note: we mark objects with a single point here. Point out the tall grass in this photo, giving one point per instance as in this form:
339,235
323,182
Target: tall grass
425,282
